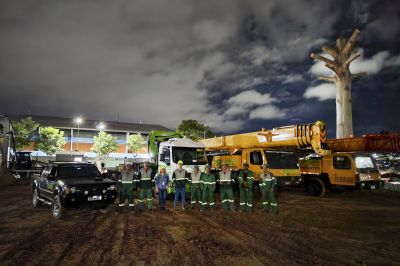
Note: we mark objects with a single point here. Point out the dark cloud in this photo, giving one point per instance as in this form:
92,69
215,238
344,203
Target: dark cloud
164,61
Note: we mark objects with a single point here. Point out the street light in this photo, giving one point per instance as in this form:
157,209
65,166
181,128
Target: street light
78,121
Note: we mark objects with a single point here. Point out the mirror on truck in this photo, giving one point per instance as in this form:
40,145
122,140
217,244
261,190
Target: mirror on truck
162,157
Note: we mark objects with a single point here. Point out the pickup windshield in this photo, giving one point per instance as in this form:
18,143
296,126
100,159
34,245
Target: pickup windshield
365,163
76,171
189,156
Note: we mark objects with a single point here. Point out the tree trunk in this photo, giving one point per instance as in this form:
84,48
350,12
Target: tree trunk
344,120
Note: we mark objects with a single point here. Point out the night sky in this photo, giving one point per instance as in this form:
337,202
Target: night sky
236,66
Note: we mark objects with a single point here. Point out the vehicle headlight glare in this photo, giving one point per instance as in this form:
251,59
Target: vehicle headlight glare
67,190
73,189
112,187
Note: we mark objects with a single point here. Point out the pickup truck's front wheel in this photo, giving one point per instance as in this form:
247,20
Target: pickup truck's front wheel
35,199
57,208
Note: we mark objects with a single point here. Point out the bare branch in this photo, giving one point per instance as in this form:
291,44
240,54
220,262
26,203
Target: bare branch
350,42
330,50
330,79
329,62
352,58
359,75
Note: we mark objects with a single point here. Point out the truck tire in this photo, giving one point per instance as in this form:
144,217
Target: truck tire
35,199
57,209
316,187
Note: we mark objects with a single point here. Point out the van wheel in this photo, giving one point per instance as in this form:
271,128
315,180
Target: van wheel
35,199
316,187
57,208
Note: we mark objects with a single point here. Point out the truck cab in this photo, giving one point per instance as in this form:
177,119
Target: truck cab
351,170
173,150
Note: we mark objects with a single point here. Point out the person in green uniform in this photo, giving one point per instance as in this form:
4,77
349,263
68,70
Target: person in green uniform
267,186
208,188
246,178
195,188
145,179
226,191
126,187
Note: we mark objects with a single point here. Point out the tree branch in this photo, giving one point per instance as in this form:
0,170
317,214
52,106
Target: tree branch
359,75
350,42
329,62
330,79
352,58
330,50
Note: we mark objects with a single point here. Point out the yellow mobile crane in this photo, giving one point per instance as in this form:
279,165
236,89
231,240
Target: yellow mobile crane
280,148
348,165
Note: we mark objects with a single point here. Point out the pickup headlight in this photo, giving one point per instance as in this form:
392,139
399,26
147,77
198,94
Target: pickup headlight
66,189
112,187
73,189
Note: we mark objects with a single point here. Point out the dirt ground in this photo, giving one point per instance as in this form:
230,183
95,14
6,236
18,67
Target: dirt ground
352,228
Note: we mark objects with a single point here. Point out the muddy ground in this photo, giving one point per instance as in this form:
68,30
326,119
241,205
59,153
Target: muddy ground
352,228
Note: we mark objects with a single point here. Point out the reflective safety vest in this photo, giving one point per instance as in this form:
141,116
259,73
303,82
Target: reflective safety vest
195,179
179,177
264,178
225,178
127,177
145,178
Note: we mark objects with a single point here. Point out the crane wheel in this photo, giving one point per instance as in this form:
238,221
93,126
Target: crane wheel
316,187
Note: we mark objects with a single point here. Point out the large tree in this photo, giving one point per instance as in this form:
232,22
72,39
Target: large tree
103,145
194,130
50,140
343,54
24,132
136,142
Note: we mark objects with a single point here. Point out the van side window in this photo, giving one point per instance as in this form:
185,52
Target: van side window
341,162
256,158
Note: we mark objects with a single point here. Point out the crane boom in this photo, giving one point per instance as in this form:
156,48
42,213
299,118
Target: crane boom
366,143
295,136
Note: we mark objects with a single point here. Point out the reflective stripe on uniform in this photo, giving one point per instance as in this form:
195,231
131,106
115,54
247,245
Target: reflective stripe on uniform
120,205
250,205
225,200
274,204
126,182
212,203
208,183
265,202
131,205
231,200
241,204
140,201
196,182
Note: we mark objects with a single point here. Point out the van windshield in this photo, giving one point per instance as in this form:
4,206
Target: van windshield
189,156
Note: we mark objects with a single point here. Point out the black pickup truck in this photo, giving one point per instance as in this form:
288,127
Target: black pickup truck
70,184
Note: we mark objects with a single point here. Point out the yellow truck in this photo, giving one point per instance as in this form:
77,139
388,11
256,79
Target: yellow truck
349,163
280,148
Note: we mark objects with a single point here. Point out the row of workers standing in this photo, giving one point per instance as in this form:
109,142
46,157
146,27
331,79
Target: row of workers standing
202,187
